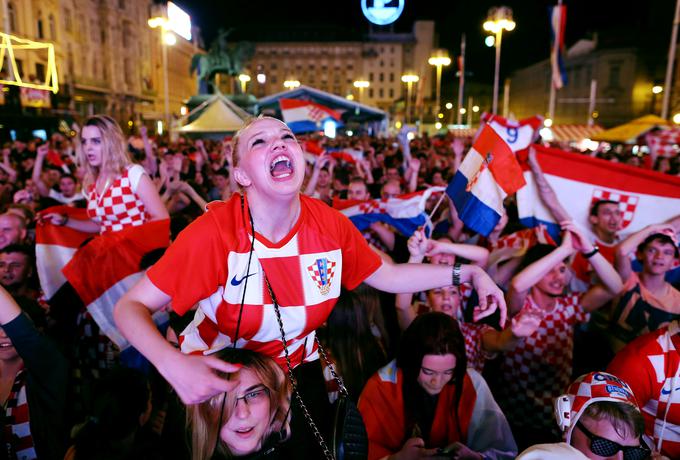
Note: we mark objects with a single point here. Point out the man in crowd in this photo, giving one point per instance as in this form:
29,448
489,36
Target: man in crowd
12,229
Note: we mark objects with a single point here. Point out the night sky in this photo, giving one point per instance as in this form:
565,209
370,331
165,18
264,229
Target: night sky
647,25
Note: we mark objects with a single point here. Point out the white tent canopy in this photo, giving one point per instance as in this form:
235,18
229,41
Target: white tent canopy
219,115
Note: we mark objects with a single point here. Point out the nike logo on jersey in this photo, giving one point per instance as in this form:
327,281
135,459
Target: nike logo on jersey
235,282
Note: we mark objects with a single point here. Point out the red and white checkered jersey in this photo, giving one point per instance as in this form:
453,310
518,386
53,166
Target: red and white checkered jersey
650,364
539,368
119,207
208,265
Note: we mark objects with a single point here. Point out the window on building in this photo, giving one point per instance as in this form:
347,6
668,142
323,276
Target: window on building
41,32
40,71
273,79
391,77
12,12
274,66
381,93
121,4
391,93
381,77
615,74
52,26
127,67
336,89
20,67
370,93
382,63
370,77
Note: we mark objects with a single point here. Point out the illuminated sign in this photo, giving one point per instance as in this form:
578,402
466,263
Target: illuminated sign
179,21
382,12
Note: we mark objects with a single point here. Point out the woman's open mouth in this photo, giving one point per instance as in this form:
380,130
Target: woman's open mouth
281,167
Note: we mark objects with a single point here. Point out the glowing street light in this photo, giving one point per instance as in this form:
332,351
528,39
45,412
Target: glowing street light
475,108
439,58
244,79
657,89
361,84
676,118
409,79
167,39
291,84
498,20
261,78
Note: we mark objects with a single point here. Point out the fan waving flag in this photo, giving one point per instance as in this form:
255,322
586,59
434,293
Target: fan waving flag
404,212
645,197
558,23
304,116
518,134
488,174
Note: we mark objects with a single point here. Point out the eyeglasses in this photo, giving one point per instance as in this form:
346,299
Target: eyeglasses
606,448
254,396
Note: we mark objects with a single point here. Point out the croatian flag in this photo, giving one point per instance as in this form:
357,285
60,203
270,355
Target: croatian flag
645,197
488,174
304,116
405,212
558,24
518,134
100,270
313,150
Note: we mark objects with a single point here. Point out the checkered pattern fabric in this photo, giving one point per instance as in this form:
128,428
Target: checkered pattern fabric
627,203
119,207
664,143
17,428
592,388
322,239
651,366
373,239
539,368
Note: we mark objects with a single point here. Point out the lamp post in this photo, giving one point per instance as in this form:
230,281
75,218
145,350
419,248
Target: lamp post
361,84
498,19
409,79
291,84
439,58
167,39
244,79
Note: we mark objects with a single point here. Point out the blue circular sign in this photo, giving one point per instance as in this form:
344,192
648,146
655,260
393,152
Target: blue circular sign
382,12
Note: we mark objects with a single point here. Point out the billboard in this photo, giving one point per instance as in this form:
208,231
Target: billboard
179,21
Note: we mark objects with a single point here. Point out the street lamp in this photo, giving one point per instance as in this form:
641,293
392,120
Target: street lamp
439,58
167,39
361,84
291,84
498,19
244,79
409,79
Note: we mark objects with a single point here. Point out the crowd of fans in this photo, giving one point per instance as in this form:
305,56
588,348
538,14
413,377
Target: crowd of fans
428,379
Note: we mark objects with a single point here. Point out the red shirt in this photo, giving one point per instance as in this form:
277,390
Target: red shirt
208,265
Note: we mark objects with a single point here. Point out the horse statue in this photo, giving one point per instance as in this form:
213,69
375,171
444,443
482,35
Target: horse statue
222,57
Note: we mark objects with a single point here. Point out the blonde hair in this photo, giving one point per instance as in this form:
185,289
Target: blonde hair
115,157
204,419
247,124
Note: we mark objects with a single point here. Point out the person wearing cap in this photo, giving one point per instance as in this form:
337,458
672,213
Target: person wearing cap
599,418
651,365
648,301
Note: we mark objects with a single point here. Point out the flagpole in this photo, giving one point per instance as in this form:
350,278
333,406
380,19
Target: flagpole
556,47
461,80
669,65
591,104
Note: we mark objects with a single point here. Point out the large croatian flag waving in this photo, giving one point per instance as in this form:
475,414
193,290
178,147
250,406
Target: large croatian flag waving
488,174
404,212
305,116
645,197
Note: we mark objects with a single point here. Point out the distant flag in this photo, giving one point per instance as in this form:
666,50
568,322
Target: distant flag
518,134
404,212
558,23
304,116
488,174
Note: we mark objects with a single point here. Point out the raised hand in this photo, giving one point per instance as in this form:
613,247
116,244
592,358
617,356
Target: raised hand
491,298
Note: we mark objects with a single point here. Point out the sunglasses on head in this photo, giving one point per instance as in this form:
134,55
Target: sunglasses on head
606,448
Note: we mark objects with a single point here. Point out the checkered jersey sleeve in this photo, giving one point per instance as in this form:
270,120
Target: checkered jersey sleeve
574,304
193,266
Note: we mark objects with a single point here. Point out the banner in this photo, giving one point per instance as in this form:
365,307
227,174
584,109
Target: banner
645,197
37,98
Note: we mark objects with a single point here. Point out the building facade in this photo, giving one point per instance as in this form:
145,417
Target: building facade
334,66
108,58
623,87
